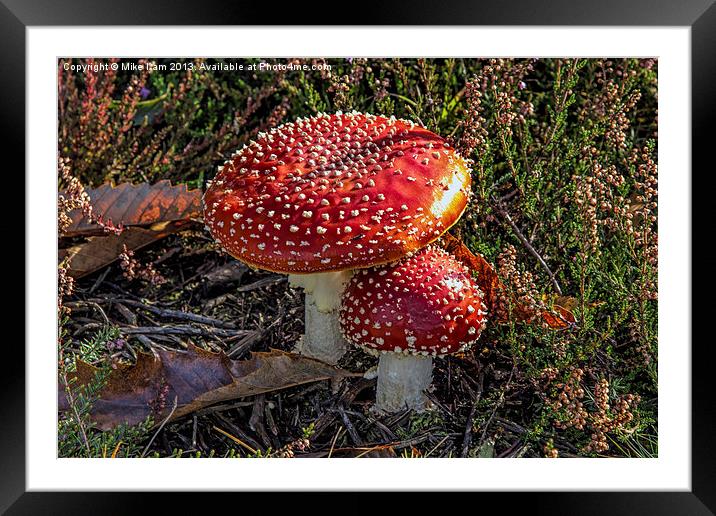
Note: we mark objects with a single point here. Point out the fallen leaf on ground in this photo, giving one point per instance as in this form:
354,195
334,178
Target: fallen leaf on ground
563,306
97,252
136,205
197,378
559,317
146,212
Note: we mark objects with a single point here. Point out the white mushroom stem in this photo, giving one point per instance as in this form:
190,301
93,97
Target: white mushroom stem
323,339
402,380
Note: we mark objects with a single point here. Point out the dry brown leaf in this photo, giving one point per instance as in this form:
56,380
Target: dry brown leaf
197,378
99,251
559,318
136,205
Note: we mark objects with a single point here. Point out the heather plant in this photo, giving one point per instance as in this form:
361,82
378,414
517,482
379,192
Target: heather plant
564,203
133,269
567,166
137,127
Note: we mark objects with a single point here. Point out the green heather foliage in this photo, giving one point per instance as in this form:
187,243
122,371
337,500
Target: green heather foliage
564,158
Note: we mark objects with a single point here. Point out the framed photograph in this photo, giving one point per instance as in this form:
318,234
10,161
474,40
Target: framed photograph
419,256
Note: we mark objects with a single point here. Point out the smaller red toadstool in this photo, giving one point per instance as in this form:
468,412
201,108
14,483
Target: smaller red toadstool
423,306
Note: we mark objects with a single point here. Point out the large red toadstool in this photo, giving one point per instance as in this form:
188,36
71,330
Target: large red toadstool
426,305
322,196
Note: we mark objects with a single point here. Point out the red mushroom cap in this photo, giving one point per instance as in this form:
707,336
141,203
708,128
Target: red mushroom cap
425,304
336,192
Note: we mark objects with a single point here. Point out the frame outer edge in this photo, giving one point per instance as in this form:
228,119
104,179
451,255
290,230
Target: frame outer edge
12,378
12,107
703,409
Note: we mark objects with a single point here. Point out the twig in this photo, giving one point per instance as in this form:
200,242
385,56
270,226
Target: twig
181,330
235,439
434,400
99,281
418,439
87,305
150,344
244,344
511,449
169,416
119,289
236,430
509,195
219,300
497,405
250,338
270,280
529,247
195,426
257,416
437,446
387,432
184,283
125,312
177,314
467,439
333,443
86,327
366,451
349,427
223,408
396,418
509,425
327,418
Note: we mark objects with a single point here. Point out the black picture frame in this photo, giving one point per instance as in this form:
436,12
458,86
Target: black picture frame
17,15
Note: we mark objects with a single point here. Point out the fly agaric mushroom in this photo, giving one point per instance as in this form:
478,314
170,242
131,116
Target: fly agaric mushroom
322,196
426,305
